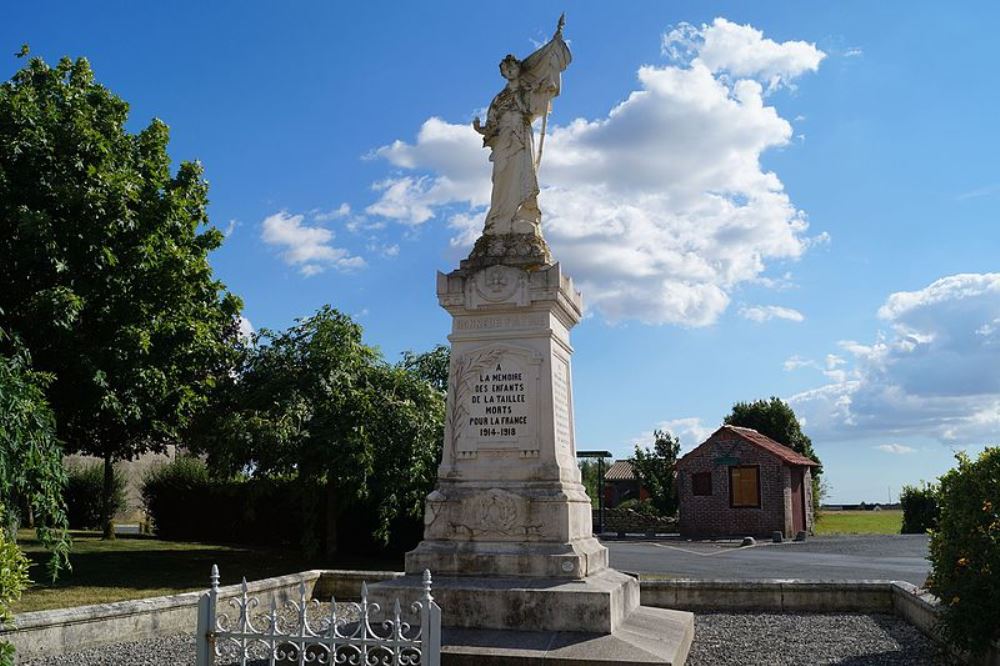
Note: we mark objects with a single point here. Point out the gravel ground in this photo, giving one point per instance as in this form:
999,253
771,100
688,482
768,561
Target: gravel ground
814,638
720,639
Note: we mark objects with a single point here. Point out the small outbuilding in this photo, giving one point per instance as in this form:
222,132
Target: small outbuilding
621,483
740,483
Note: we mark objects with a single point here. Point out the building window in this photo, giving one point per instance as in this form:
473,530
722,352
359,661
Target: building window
744,486
701,483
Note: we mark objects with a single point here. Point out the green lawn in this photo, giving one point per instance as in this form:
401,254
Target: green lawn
133,567
859,522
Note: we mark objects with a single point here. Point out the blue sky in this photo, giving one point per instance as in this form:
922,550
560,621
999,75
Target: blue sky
797,199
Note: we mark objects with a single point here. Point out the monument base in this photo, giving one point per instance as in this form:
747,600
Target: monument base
579,558
647,636
594,620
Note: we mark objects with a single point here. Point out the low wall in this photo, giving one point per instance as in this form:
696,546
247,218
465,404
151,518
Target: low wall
769,595
53,632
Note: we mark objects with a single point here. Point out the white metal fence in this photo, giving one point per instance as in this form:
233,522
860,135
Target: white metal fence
359,634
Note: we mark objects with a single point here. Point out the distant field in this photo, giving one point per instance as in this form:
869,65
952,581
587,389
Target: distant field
859,522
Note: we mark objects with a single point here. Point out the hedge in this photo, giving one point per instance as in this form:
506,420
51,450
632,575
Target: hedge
84,487
920,508
185,504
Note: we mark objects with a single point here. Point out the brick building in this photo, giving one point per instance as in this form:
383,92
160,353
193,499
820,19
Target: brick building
740,483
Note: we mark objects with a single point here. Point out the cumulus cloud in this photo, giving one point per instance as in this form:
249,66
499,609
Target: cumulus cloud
933,373
762,313
306,246
689,430
742,51
897,449
660,208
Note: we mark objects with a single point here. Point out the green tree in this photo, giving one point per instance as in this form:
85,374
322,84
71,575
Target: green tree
965,551
31,472
656,467
776,419
317,404
431,366
920,508
591,478
105,273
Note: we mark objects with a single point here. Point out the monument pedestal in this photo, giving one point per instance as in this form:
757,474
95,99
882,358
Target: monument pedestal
508,532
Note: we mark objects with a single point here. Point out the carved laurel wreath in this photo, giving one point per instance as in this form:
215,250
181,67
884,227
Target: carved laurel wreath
462,388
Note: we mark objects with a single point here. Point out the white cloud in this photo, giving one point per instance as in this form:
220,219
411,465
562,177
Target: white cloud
898,449
231,227
306,246
934,373
660,208
742,51
246,328
689,430
762,313
854,52
343,210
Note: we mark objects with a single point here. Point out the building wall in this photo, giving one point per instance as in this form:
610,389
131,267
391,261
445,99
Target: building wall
706,516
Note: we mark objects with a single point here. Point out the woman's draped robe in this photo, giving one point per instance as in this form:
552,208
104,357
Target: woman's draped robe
514,202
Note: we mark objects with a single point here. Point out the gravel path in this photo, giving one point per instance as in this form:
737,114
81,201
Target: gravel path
720,639
814,638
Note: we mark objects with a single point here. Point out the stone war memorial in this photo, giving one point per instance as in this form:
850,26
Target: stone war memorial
508,536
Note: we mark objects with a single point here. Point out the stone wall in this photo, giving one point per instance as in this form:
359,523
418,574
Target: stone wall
711,515
134,471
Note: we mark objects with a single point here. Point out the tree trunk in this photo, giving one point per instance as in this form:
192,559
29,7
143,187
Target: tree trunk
107,510
330,542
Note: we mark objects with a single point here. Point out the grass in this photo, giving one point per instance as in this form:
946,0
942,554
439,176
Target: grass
134,567
859,522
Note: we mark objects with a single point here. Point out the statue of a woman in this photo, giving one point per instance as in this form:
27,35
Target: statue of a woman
531,85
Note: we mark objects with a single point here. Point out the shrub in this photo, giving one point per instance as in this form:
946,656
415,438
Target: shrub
13,580
644,507
84,490
920,508
965,551
185,504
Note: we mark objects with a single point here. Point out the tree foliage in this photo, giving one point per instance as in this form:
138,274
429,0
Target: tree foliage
317,404
655,467
85,495
13,581
31,472
920,508
431,366
105,273
775,419
965,551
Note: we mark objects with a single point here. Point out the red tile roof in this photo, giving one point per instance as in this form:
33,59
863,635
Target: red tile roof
786,453
620,471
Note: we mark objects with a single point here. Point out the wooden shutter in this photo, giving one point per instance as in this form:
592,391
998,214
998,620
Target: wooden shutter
744,486
701,483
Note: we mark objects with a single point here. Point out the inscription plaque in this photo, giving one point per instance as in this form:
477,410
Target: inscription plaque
494,411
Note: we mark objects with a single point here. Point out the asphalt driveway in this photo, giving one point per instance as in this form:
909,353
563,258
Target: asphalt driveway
870,557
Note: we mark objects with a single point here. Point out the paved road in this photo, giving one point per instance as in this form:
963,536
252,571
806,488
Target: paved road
892,557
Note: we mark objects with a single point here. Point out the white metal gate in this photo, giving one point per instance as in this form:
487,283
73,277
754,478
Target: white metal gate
357,635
